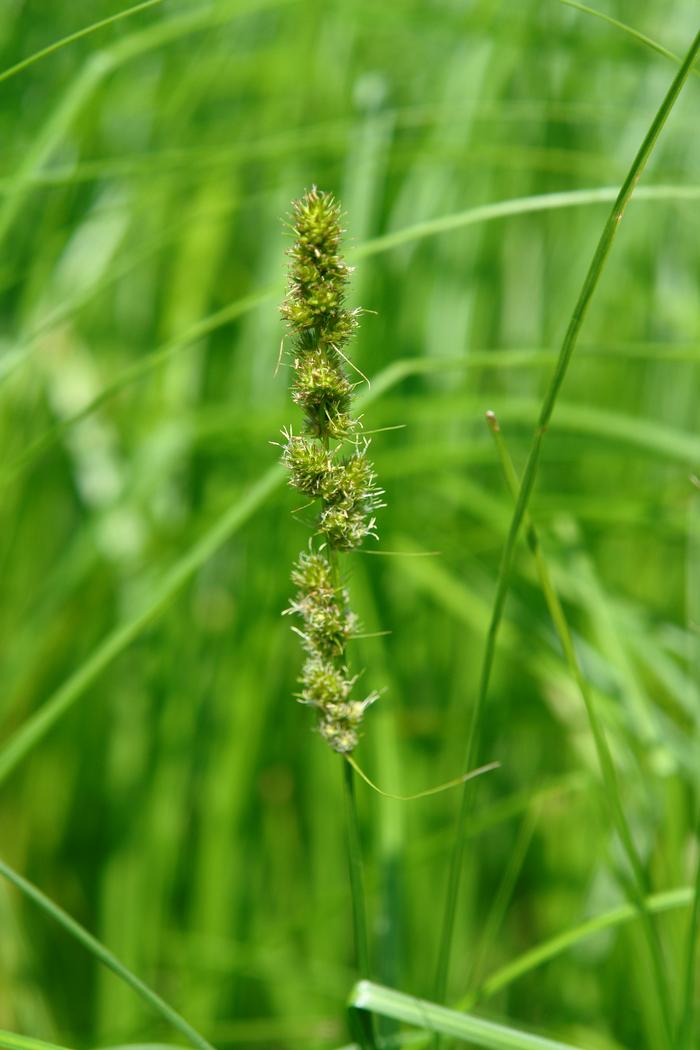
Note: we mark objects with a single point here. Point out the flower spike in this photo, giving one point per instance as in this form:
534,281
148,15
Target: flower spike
345,486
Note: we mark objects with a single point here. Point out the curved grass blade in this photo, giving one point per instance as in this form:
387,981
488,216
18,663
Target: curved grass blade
72,37
437,790
104,956
543,953
569,343
374,998
642,38
517,206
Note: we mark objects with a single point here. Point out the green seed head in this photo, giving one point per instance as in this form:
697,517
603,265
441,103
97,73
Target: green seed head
344,485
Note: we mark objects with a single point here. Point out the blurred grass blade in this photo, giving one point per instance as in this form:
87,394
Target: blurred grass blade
36,727
13,1041
543,953
503,894
438,1019
517,206
642,38
104,956
67,108
142,1046
590,283
72,37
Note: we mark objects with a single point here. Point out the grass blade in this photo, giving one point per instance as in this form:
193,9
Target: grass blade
570,339
438,1019
543,953
642,38
104,956
517,206
13,1041
72,37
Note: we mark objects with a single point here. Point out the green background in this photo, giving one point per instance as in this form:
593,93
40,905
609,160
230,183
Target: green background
180,805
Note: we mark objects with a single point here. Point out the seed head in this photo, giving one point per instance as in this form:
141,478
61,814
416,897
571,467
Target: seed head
345,486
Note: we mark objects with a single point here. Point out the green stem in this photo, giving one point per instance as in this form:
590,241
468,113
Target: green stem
356,878
686,1026
570,339
638,889
105,956
357,889
685,1031
503,895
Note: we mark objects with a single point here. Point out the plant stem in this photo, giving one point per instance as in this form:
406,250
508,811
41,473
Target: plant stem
685,1029
359,914
687,1015
638,889
569,343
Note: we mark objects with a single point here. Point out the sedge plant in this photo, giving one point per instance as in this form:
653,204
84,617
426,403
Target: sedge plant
329,466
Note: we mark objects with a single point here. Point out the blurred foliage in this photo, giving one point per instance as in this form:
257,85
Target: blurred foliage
182,809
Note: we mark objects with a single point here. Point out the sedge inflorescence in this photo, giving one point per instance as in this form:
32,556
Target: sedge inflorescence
327,463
